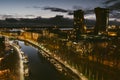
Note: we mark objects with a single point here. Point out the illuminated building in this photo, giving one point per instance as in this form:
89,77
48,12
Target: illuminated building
102,17
79,23
113,30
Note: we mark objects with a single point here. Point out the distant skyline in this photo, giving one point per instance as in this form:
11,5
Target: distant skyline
51,8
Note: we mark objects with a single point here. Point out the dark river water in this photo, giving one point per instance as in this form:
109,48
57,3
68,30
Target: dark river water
40,69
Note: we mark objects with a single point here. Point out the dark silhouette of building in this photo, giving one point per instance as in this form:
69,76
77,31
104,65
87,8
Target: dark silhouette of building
79,23
118,31
2,45
102,17
2,39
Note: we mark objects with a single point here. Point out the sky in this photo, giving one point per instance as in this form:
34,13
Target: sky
51,8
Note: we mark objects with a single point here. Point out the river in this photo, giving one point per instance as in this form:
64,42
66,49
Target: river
40,69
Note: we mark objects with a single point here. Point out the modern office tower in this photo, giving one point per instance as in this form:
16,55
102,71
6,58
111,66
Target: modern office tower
102,18
79,23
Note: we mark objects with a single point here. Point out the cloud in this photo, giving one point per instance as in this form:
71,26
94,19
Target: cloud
89,11
4,16
90,16
115,6
110,1
54,9
115,14
37,7
70,13
86,10
77,7
112,4
29,15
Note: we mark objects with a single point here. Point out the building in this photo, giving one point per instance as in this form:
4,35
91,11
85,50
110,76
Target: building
2,39
118,31
113,30
102,18
79,23
2,45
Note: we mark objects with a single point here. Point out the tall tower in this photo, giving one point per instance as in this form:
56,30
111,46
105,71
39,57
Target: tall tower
79,23
102,18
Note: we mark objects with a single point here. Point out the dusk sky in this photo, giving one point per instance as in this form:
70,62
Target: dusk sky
51,8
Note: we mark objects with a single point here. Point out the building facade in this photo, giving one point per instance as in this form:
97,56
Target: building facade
79,23
102,18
